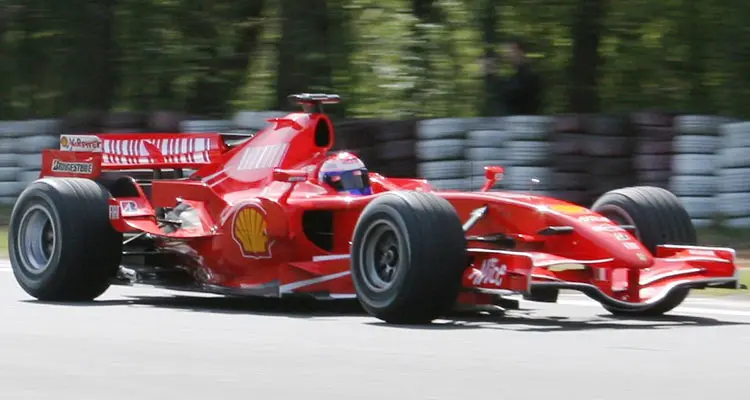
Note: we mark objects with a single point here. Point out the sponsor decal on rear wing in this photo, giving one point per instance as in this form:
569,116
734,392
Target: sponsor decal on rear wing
71,164
82,143
134,151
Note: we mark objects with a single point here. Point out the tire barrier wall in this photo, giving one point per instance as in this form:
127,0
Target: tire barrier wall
704,160
694,165
733,170
21,144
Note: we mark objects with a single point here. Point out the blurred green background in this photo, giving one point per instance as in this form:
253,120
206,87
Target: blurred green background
387,58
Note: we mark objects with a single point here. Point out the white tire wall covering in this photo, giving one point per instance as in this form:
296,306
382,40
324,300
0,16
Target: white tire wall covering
527,153
486,145
700,125
29,161
443,128
440,149
734,180
487,138
529,127
733,177
28,176
203,126
735,135
440,154
21,145
9,174
522,179
691,144
461,184
36,127
437,170
704,160
11,189
253,121
695,164
7,160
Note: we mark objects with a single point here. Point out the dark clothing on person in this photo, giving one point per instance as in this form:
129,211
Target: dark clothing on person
521,94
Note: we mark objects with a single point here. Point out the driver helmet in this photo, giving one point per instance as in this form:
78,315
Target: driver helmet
345,173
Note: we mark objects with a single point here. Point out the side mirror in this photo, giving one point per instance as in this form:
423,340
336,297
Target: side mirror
289,175
293,176
492,174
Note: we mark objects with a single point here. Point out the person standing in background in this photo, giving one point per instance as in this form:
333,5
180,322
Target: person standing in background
521,94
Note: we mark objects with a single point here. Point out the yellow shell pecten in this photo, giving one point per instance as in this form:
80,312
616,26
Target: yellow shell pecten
250,229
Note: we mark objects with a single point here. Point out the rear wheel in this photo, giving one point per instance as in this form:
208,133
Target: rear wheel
408,257
61,244
659,218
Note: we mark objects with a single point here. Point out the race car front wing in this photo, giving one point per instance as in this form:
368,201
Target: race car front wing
633,289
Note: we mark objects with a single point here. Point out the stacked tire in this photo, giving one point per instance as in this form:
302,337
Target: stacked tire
694,165
395,149
359,137
733,162
21,145
569,160
485,146
653,148
204,126
248,122
609,148
440,152
527,151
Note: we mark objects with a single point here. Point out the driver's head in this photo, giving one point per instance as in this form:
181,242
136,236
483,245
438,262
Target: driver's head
345,173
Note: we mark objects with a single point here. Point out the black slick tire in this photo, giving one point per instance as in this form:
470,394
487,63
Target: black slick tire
421,235
61,244
659,218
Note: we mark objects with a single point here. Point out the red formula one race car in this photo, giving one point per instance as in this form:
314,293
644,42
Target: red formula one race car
277,214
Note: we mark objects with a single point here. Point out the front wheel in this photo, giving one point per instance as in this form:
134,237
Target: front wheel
61,244
659,218
408,257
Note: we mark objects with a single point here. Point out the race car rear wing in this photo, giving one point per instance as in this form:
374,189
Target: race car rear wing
89,155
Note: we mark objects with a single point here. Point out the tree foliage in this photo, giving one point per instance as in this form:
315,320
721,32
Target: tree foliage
387,58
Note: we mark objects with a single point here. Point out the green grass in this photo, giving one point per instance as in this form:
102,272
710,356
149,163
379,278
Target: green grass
3,241
738,239
4,219
744,279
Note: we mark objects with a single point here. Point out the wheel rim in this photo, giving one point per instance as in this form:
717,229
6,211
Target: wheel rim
36,239
619,216
383,255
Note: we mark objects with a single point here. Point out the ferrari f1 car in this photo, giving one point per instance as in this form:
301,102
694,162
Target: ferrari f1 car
276,214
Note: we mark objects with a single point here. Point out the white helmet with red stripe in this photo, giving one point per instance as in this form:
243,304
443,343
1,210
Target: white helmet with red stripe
345,173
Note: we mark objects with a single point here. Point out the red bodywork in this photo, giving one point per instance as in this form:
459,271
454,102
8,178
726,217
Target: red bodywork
250,234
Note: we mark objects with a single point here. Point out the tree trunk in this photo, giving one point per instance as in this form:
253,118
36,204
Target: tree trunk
304,51
583,70
489,21
225,73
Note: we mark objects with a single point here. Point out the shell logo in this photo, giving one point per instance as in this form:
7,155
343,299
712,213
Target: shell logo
64,142
250,232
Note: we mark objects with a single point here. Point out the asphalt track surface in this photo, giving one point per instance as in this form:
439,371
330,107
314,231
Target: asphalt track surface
138,343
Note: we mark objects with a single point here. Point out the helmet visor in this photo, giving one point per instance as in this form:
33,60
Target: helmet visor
356,181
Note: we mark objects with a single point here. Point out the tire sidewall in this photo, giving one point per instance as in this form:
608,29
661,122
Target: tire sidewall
28,279
367,296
